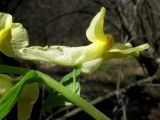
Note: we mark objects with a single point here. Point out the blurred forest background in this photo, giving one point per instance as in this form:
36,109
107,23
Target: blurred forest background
123,89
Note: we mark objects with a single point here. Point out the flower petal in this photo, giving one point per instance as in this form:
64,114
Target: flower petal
96,29
5,20
120,50
13,36
5,46
91,66
63,55
12,39
19,37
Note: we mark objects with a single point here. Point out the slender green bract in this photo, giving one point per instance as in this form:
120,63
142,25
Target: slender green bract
10,98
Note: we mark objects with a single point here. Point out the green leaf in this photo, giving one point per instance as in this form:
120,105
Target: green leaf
11,69
71,82
9,99
56,99
75,99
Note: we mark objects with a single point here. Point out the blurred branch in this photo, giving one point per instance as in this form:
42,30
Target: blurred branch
98,2
9,6
4,5
80,11
17,6
42,5
149,62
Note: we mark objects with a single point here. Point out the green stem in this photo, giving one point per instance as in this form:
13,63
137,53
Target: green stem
74,80
75,99
11,69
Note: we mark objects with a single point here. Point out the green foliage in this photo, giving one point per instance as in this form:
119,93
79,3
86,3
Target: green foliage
56,99
10,98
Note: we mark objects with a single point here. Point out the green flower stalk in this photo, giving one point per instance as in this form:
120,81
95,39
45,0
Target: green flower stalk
102,47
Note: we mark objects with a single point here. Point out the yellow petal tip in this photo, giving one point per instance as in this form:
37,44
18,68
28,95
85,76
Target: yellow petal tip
103,10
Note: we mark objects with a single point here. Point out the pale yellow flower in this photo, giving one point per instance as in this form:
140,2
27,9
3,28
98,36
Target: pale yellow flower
88,58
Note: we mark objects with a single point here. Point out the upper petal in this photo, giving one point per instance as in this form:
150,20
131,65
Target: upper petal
19,37
96,29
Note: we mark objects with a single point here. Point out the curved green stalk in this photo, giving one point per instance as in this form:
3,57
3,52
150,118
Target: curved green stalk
31,76
74,80
75,99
